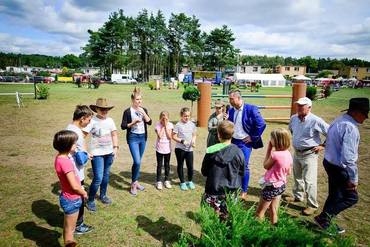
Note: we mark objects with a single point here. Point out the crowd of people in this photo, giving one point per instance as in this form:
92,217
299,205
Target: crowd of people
233,133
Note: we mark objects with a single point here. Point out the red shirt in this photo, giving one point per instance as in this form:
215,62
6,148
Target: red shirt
64,165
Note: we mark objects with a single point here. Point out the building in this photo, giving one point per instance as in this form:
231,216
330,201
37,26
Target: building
290,71
91,70
360,73
248,69
266,80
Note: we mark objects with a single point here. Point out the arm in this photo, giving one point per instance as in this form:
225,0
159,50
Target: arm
268,162
349,155
74,185
115,142
144,112
259,124
205,165
125,120
322,127
168,132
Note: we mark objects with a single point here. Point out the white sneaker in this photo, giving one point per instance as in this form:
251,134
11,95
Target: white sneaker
167,184
159,186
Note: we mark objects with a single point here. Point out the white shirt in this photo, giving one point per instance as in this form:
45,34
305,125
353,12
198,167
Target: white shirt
101,142
239,132
138,128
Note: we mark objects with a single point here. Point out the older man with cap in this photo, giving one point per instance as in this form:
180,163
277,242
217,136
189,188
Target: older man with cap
340,161
306,128
249,126
217,117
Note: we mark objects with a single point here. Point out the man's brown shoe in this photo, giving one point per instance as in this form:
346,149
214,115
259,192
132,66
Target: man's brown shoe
291,199
309,211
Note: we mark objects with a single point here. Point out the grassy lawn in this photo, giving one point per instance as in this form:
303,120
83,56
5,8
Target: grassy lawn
29,208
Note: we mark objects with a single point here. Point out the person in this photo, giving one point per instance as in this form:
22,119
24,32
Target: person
103,147
278,165
71,190
184,134
213,121
163,129
340,162
135,120
306,128
223,165
81,118
249,126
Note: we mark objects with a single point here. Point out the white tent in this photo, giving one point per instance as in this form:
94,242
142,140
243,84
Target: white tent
302,78
266,80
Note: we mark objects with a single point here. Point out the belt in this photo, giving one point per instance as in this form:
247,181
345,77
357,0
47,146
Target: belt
303,150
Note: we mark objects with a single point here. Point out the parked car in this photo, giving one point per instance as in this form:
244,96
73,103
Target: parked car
38,79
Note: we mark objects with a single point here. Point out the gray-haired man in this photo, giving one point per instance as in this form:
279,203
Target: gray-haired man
306,129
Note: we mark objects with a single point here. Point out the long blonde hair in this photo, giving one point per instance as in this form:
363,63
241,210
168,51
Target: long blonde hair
281,139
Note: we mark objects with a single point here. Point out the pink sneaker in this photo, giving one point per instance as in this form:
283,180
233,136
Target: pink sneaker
133,190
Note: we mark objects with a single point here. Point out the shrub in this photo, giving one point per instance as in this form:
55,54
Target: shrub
42,91
242,229
151,85
311,92
191,93
327,91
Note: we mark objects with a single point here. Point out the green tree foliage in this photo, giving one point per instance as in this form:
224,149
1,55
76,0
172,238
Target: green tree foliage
71,61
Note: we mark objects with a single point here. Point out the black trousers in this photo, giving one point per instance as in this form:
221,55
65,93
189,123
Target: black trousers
188,157
163,159
340,197
80,218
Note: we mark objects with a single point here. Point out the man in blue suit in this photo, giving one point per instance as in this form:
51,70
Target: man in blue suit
249,126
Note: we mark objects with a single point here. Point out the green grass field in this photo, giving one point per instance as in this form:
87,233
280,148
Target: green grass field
29,208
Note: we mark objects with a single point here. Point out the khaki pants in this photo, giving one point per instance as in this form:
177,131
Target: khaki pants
305,177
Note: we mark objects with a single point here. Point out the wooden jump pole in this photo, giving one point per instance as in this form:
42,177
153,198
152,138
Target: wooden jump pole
298,91
204,104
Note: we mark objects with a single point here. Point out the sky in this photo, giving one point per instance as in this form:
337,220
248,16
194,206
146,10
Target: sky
297,28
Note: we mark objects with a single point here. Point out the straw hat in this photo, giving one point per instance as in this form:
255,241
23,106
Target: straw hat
101,103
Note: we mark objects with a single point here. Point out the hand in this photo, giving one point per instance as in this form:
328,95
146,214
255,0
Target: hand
351,186
90,156
84,195
193,144
186,143
136,121
225,116
317,149
247,139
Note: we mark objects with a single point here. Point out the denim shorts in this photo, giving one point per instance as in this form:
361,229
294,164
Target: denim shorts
70,206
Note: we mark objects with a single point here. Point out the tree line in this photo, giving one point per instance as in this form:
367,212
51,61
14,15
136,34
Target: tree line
152,45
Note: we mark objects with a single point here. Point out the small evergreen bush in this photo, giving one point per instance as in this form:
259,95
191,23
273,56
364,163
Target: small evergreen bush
243,229
42,91
311,92
191,93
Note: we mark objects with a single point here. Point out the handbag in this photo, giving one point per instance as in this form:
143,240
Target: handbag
81,157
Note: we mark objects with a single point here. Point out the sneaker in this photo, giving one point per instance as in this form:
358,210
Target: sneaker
339,229
82,229
190,185
71,244
183,186
167,184
291,199
106,200
90,205
322,223
159,185
309,211
133,190
139,187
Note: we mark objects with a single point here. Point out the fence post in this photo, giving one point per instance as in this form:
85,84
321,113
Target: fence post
298,91
204,104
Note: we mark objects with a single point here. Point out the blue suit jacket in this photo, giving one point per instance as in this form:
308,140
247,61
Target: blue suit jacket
253,124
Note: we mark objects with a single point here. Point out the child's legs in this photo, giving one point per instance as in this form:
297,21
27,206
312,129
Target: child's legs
180,156
189,158
274,208
262,207
98,168
69,227
159,157
167,158
108,161
80,218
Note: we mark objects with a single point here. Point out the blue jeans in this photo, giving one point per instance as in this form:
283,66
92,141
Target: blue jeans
247,153
101,167
136,143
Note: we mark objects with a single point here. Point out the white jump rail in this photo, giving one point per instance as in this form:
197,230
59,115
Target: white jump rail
18,97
